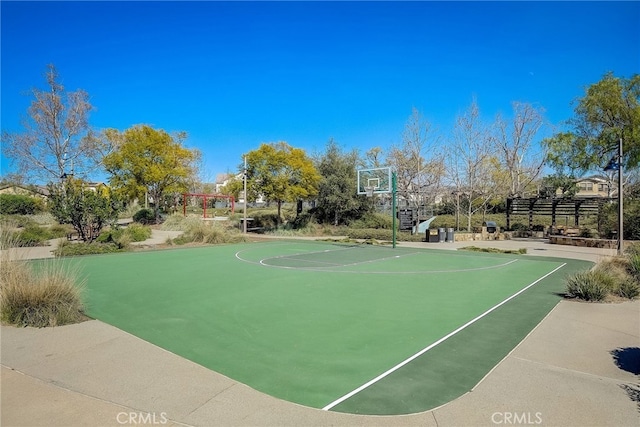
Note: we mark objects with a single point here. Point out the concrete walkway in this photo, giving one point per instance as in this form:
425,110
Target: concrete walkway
158,237
579,367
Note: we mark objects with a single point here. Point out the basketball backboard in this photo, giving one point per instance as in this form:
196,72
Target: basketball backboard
378,178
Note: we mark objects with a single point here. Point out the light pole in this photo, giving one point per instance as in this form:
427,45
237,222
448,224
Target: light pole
394,191
617,165
620,201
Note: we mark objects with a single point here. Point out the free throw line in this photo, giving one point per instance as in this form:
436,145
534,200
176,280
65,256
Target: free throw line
424,350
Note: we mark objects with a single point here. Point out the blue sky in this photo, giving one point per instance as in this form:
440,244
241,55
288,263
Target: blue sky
236,74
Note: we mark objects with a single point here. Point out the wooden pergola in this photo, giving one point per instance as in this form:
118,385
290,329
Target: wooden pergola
553,207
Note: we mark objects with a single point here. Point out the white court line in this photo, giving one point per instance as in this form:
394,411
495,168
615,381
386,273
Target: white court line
265,263
424,350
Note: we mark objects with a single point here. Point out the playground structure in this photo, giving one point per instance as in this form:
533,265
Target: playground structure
206,197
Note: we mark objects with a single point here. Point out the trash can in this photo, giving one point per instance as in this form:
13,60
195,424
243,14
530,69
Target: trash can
491,226
450,236
432,236
442,234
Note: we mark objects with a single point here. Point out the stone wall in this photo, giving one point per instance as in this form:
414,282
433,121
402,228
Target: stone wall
584,241
484,235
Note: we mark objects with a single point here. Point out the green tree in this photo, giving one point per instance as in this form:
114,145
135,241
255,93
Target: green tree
87,210
338,200
281,173
552,183
20,204
234,188
608,111
149,162
57,138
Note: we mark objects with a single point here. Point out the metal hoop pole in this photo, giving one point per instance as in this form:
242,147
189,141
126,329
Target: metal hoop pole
393,206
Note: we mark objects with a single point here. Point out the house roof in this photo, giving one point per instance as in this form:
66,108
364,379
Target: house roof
33,189
593,178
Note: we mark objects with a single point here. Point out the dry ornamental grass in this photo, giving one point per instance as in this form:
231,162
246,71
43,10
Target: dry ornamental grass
39,295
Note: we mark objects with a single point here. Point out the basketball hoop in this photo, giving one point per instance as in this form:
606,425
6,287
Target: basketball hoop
369,191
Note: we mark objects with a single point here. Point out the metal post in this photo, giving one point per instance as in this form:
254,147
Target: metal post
244,178
393,205
204,206
620,202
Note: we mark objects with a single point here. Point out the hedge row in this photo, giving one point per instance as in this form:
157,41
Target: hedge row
14,204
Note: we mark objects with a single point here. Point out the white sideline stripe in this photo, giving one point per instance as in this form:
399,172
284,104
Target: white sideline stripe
424,350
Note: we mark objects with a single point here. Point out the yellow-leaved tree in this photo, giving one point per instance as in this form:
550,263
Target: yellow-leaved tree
281,173
149,162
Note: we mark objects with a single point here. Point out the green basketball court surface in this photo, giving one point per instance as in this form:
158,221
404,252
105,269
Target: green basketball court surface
349,328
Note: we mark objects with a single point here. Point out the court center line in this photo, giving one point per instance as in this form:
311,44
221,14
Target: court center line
441,340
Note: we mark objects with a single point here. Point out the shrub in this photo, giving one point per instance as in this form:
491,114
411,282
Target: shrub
589,233
519,227
32,235
17,221
145,216
586,285
110,236
303,220
633,249
138,232
115,236
58,230
634,265
201,232
608,277
74,249
48,296
311,229
198,232
265,219
629,288
612,271
15,204
43,218
373,220
44,294
86,210
178,222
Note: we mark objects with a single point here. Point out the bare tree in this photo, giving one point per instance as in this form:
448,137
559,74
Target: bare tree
419,166
521,158
469,163
373,158
57,139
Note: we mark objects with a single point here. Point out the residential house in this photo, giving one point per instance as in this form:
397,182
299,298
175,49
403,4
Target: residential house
25,190
596,186
224,179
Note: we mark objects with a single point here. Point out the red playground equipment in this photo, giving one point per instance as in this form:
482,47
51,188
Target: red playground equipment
204,201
